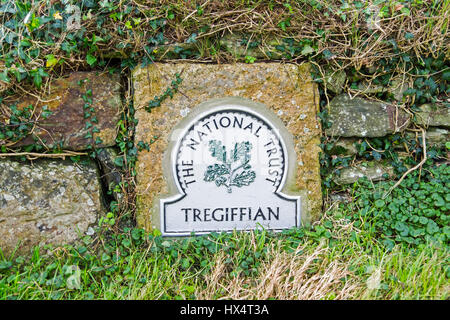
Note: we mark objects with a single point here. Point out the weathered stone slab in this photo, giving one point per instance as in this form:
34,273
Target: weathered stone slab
47,201
67,126
433,115
345,146
335,80
434,137
233,44
287,90
359,117
374,171
396,88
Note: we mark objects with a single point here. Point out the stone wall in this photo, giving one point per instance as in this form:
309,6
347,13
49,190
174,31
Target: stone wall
57,201
52,199
355,119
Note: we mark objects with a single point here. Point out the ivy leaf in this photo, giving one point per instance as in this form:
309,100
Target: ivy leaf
118,161
90,59
37,79
192,38
307,49
446,76
51,61
405,11
379,203
98,140
432,227
376,155
4,76
409,36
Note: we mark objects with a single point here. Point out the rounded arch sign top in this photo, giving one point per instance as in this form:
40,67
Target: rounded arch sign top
228,165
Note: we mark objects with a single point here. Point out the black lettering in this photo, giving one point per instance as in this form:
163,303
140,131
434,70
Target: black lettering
197,215
269,143
200,135
242,213
233,214
258,214
214,214
271,151
256,132
276,164
206,215
228,123
215,124
206,124
275,215
187,172
236,121
191,145
249,126
186,210
188,182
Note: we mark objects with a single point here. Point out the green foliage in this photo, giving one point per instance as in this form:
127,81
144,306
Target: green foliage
169,92
19,125
136,265
91,120
414,213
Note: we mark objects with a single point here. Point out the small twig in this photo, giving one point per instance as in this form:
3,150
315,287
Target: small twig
35,155
411,169
380,151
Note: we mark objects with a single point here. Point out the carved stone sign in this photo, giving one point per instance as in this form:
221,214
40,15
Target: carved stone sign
229,165
235,147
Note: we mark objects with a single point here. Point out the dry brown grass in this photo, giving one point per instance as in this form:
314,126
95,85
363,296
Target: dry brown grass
299,275
354,37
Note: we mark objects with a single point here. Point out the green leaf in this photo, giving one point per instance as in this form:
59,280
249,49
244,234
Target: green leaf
166,244
51,60
37,79
5,265
90,59
118,161
307,49
379,203
423,220
405,10
432,227
4,76
409,36
446,76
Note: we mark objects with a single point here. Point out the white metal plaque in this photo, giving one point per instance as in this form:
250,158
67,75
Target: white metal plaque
229,164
